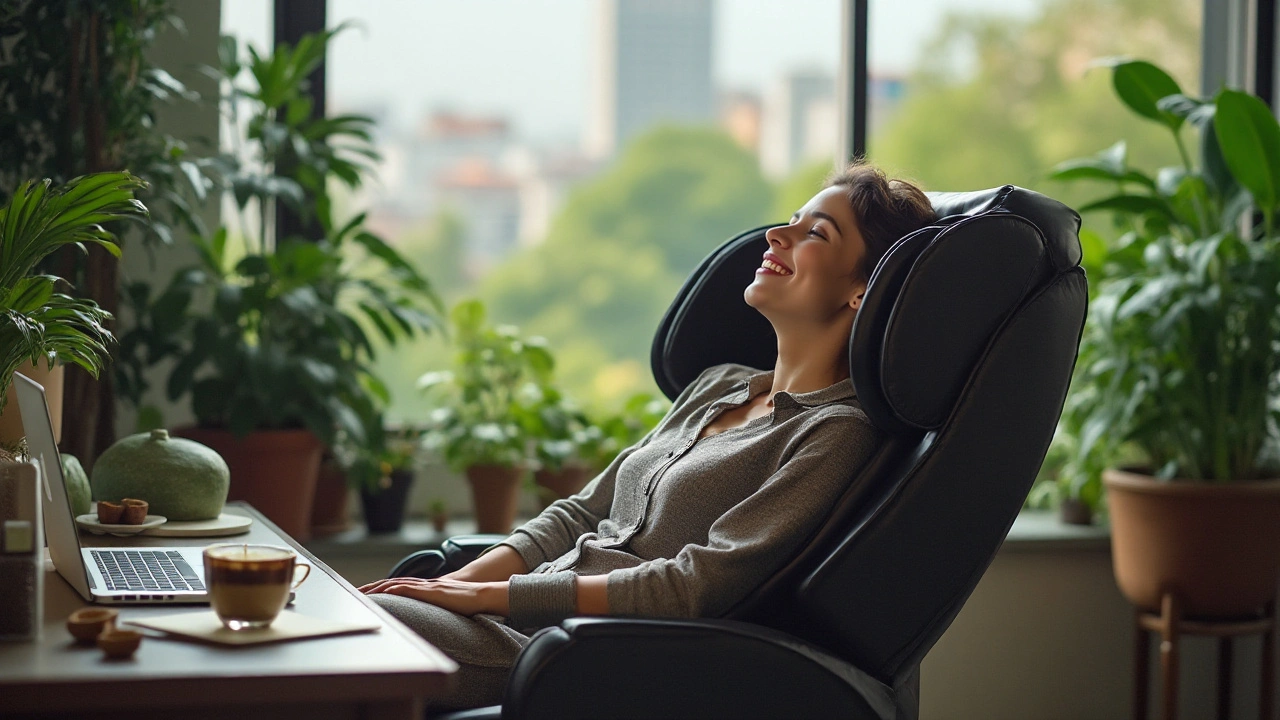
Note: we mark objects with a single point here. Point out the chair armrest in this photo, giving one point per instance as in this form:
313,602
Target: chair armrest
452,555
425,564
631,668
462,549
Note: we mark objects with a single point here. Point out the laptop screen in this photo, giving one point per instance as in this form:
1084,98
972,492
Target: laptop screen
59,525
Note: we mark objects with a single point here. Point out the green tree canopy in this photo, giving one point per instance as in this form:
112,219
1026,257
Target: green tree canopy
994,100
678,189
619,250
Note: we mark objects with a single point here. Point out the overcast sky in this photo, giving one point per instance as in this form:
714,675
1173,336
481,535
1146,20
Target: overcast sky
529,59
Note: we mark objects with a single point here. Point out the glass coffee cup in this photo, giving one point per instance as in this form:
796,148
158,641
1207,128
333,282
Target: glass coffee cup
250,584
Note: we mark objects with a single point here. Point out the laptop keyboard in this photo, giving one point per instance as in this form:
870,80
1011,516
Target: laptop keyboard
146,570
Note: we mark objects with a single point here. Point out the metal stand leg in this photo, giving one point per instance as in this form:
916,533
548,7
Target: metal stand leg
1170,615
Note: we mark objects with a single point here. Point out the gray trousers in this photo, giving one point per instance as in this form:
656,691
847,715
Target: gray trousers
482,645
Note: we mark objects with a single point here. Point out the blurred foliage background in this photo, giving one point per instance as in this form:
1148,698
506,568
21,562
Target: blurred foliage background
990,101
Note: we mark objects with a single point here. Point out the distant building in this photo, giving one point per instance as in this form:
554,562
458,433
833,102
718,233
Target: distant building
800,120
652,65
791,129
885,94
487,201
740,117
544,179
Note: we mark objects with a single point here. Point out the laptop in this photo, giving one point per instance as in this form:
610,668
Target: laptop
125,575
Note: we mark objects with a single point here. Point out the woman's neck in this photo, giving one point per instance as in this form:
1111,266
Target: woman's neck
810,361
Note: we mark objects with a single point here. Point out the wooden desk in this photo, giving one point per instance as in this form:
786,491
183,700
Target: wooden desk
388,674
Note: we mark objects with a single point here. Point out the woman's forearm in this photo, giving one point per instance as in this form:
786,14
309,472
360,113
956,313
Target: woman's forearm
496,565
593,595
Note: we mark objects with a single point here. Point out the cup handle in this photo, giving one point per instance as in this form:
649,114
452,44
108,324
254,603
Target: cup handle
305,575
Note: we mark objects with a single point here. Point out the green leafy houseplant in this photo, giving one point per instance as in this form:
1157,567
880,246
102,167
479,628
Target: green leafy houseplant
1177,377
620,430
81,92
1178,364
38,323
560,431
477,427
480,419
281,334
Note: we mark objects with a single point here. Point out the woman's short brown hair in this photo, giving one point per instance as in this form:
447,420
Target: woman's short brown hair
886,209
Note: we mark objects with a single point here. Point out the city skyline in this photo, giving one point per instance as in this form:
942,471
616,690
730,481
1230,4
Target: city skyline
533,63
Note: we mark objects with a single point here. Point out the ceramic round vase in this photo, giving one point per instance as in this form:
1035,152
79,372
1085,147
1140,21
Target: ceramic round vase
181,479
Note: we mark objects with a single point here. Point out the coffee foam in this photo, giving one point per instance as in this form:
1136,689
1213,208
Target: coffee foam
248,553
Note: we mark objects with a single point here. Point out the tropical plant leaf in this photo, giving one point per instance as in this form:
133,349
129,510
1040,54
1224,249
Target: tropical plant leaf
1141,86
1249,138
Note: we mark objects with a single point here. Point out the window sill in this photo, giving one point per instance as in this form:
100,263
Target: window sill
1032,531
1042,531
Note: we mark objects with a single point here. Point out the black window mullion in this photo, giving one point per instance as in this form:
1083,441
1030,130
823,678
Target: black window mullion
293,19
1264,57
853,74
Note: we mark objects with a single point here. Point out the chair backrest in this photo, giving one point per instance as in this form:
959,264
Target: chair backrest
962,352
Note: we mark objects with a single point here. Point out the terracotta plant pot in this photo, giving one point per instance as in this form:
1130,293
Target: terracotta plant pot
439,522
1216,545
329,509
11,420
556,484
494,490
273,470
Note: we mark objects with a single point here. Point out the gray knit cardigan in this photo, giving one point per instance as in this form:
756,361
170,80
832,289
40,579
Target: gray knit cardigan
686,527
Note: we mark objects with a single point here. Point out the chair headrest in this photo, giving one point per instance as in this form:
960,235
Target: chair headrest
938,295
933,303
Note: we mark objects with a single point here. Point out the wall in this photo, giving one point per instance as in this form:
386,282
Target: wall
196,124
1046,635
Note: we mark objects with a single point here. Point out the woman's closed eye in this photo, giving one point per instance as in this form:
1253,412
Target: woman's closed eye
817,232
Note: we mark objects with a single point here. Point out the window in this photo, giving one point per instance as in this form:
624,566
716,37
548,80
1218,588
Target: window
570,161
966,95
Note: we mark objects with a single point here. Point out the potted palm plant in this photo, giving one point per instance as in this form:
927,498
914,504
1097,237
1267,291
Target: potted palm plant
1177,381
39,325
274,341
476,428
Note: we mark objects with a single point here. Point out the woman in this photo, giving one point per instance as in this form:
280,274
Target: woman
722,492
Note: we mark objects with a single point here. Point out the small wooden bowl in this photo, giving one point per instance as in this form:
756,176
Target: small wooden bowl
86,624
109,513
119,644
135,511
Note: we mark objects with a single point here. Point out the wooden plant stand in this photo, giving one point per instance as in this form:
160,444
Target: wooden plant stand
1172,626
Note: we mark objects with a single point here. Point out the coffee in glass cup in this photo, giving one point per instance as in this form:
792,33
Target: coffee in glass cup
249,584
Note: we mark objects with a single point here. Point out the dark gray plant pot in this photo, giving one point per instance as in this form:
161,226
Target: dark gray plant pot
384,508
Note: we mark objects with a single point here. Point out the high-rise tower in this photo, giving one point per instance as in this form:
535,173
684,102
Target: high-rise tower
652,65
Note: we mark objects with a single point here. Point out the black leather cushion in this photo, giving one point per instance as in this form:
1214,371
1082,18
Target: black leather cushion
1059,224
932,305
709,323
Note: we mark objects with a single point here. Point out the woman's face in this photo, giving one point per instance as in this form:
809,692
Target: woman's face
809,272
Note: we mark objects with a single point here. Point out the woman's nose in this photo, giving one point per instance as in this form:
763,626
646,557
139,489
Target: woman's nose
778,236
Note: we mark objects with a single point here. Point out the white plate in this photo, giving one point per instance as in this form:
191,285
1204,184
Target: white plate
90,522
221,526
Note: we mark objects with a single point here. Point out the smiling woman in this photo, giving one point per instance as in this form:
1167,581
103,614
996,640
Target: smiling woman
726,488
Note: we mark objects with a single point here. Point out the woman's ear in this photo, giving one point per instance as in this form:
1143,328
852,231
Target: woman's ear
856,301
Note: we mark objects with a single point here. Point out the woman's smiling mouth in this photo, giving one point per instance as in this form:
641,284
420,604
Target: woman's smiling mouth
772,265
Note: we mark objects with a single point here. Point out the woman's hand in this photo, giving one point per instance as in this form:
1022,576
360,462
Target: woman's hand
460,596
